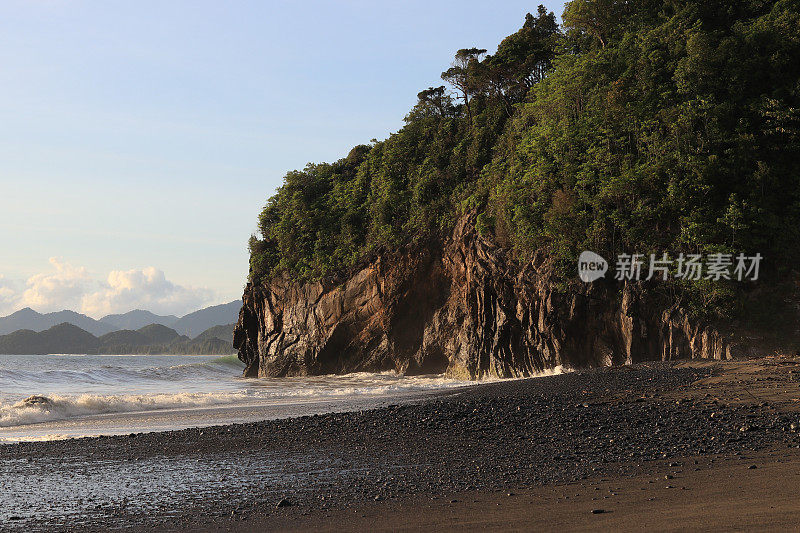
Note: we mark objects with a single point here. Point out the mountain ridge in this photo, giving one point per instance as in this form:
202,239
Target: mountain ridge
138,318
190,324
154,339
193,324
27,318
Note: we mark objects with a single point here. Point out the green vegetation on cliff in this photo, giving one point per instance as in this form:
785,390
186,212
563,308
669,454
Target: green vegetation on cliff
647,127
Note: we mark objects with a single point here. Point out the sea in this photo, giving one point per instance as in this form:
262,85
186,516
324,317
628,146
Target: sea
47,397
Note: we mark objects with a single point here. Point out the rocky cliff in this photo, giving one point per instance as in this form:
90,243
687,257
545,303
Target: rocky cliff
465,308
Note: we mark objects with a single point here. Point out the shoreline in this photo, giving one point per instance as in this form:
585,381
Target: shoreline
105,425
104,396
486,440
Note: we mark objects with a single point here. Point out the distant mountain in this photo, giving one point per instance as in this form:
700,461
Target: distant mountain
153,339
29,319
190,325
138,319
223,333
159,334
199,321
123,338
62,338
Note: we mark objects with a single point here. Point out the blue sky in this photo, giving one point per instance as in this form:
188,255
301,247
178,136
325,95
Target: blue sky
139,140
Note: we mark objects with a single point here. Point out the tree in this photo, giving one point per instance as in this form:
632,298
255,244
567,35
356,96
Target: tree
460,74
596,17
522,59
433,101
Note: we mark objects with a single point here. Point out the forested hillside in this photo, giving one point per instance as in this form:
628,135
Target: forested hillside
637,127
154,339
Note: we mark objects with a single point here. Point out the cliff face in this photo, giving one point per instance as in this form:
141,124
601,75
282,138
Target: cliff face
464,308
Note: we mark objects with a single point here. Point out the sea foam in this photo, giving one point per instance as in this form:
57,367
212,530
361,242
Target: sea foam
65,407
61,405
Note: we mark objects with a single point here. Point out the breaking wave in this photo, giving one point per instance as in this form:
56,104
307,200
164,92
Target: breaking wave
108,386
49,408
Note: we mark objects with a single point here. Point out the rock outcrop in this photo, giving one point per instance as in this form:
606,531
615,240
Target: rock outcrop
465,308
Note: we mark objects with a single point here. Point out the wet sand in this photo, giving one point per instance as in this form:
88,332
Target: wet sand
658,446
726,494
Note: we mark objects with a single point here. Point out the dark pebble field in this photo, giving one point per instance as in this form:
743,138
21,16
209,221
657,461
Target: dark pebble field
496,436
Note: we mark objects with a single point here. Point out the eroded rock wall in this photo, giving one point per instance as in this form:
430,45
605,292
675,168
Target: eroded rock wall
465,308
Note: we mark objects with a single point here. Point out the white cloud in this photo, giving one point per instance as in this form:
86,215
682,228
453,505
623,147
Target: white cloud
143,289
70,287
8,296
62,289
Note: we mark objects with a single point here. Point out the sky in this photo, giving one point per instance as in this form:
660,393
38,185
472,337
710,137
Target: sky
139,140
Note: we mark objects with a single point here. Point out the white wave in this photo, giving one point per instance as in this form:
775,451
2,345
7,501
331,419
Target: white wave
43,438
64,407
555,371
362,384
259,392
56,407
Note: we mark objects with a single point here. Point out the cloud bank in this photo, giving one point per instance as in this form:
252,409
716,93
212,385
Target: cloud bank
64,287
143,289
7,293
69,287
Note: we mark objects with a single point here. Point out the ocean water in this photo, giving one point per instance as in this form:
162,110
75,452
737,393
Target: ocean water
44,397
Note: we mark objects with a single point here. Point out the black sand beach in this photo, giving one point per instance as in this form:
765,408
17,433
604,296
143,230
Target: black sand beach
498,456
